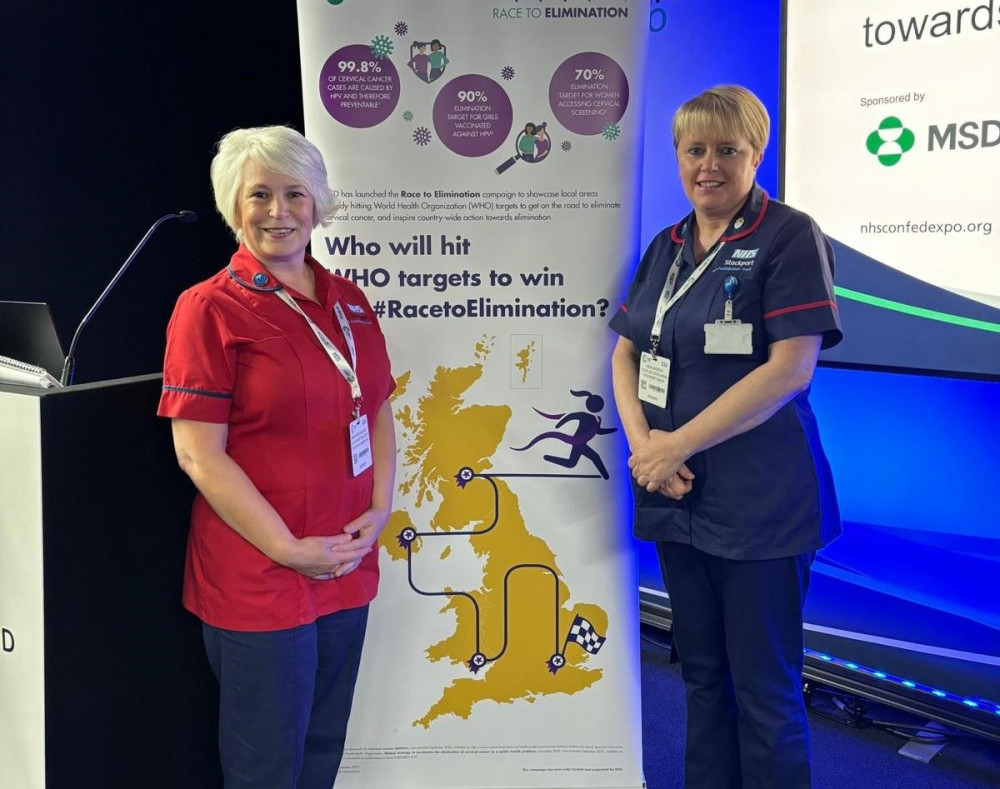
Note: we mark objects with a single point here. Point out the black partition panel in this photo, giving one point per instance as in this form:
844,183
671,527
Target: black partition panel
129,698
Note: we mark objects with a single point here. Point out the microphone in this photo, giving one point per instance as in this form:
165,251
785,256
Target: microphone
69,366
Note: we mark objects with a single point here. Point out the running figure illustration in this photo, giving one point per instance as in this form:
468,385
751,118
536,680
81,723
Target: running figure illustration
588,427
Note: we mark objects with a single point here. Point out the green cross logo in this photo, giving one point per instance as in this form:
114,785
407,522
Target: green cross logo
890,141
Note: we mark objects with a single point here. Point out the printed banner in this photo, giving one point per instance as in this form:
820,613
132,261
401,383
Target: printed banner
486,157
892,143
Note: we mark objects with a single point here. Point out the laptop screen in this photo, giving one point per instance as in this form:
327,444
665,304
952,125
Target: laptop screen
28,334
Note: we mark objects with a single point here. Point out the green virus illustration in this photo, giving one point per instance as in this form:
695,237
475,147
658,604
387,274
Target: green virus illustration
611,131
407,116
381,46
890,141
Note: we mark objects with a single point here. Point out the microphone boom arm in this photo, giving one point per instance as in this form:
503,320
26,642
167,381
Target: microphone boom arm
69,365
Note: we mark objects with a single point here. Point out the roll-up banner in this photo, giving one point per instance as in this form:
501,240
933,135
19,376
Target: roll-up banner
486,157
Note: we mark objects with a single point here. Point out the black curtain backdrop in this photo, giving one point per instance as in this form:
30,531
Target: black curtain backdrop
110,114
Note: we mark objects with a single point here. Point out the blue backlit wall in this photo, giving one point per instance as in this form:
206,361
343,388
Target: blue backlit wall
910,589
911,585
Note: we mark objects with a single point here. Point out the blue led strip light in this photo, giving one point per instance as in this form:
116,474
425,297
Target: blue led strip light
974,703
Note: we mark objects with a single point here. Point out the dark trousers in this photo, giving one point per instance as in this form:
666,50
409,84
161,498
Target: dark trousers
285,698
737,628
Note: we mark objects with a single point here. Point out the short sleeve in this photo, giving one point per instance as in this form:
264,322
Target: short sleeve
199,366
798,296
620,322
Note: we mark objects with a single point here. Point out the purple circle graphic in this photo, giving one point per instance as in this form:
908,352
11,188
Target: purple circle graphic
472,115
587,92
357,88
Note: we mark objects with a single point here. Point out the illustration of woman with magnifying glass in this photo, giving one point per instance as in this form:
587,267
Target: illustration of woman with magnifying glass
532,145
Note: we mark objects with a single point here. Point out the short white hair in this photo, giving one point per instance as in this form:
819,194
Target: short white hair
280,149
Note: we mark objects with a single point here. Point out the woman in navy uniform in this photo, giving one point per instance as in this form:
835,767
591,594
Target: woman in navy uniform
724,321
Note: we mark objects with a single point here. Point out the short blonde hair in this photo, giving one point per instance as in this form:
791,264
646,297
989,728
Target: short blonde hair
729,110
280,149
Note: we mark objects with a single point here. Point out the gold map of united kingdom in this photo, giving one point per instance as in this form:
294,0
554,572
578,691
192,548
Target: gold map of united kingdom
515,636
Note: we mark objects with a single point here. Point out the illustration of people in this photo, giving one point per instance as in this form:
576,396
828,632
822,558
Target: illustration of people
533,144
420,61
526,142
588,427
438,59
542,144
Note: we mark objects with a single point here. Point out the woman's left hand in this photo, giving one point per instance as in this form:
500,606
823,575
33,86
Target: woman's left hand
365,529
656,460
679,485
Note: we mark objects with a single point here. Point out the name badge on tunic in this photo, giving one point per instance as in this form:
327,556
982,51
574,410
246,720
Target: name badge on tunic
361,445
729,336
654,379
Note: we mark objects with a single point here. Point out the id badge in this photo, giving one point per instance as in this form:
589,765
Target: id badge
361,445
654,379
729,337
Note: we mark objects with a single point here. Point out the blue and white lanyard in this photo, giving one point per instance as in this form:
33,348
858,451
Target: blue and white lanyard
668,298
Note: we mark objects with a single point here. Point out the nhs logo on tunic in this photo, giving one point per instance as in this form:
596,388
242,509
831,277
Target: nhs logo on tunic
739,260
357,309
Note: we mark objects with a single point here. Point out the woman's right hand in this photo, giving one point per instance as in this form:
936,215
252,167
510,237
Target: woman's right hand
326,558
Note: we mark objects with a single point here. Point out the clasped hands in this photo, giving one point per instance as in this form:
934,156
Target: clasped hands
334,556
657,464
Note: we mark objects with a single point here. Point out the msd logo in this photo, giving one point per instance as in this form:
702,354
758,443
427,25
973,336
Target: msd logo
892,139
967,135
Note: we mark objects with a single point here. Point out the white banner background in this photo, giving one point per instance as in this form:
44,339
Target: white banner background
932,212
494,290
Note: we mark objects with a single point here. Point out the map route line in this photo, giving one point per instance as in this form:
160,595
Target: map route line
506,607
479,659
415,588
564,476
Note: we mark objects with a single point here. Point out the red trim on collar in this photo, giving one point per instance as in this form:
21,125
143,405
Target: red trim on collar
679,239
756,222
798,308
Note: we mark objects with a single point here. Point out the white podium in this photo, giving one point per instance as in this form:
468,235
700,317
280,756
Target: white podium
103,678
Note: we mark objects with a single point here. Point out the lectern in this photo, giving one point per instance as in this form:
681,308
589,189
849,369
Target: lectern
103,678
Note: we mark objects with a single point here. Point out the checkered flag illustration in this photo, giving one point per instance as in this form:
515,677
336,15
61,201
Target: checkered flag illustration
583,633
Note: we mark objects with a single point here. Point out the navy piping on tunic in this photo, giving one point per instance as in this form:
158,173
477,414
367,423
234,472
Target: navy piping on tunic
203,393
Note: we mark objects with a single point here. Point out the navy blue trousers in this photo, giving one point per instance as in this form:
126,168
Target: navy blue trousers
737,628
285,698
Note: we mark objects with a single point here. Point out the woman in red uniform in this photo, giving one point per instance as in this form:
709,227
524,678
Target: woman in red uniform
276,380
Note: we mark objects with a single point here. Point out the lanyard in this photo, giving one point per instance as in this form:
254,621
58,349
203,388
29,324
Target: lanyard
668,298
336,356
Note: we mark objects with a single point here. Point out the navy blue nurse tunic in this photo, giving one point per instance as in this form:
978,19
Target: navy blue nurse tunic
767,493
